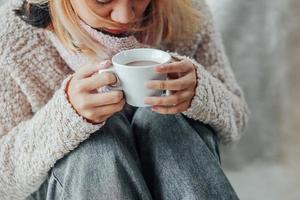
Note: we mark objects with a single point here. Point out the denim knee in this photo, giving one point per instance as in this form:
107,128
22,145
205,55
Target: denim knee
148,119
95,155
162,127
158,124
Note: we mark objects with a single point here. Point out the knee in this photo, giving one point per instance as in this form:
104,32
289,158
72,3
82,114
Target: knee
155,125
148,120
92,156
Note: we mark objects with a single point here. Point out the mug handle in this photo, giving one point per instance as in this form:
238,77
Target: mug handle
116,86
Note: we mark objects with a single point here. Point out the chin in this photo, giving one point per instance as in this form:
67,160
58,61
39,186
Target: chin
112,33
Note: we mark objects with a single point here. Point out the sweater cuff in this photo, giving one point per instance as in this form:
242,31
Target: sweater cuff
200,99
201,107
73,127
207,107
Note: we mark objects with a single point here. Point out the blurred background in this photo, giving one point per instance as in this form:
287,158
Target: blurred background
262,40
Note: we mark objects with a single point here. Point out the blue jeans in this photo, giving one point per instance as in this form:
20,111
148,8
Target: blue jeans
140,154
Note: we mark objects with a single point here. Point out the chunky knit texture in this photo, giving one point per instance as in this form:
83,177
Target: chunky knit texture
114,44
38,125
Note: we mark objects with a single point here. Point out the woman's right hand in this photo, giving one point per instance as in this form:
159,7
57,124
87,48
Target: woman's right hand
82,93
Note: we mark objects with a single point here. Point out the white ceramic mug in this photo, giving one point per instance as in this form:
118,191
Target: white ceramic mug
132,76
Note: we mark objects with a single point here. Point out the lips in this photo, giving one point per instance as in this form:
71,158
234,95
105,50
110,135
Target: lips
115,31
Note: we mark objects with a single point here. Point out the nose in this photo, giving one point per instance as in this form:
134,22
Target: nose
123,13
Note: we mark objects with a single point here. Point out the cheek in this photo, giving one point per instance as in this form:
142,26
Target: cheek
81,8
142,6
87,14
88,18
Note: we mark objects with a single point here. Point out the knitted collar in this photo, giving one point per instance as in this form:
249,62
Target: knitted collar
112,43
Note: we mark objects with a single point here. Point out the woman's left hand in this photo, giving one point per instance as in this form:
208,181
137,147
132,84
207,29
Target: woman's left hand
182,83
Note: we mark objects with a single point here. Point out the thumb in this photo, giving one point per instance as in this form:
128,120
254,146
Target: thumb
87,71
104,64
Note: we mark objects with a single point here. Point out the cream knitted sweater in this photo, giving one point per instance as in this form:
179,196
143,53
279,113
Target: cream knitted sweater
38,125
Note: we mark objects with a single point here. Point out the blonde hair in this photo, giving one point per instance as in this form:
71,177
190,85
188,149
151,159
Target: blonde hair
166,21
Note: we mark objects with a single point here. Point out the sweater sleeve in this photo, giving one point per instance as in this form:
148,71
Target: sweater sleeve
30,144
218,101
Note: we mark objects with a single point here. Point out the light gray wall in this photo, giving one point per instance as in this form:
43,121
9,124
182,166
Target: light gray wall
262,39
254,38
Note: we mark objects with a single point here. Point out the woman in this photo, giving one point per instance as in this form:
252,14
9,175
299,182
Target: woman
62,140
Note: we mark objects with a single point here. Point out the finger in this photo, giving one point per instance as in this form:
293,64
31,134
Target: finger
101,111
104,118
102,99
172,109
174,84
179,67
87,71
100,114
96,81
174,99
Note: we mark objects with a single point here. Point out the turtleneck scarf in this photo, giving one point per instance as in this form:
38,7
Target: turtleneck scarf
112,43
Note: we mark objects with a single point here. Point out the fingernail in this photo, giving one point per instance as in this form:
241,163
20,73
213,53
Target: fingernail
105,64
159,68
